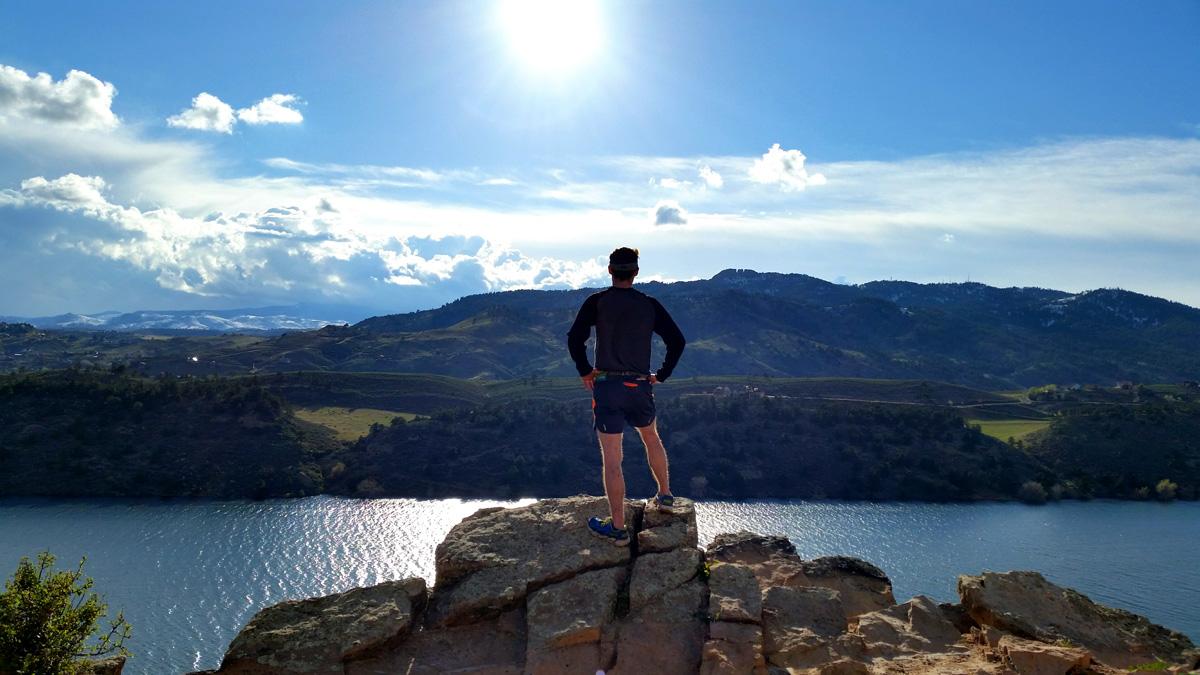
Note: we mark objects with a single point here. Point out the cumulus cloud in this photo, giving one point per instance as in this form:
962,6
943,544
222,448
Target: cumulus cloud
208,113
784,168
274,109
285,251
669,212
711,178
78,100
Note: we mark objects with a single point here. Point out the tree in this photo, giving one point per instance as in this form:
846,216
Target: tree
1032,492
1166,489
47,616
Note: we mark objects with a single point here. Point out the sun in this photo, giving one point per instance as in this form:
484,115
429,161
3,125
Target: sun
553,36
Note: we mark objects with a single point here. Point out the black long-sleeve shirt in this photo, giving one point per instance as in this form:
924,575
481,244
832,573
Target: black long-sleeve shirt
624,319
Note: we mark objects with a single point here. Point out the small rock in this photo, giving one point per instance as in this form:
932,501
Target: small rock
113,665
917,626
668,537
1038,658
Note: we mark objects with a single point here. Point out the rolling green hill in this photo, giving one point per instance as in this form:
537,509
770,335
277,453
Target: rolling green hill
739,322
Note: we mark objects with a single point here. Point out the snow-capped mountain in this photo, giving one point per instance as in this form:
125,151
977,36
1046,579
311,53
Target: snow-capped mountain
258,320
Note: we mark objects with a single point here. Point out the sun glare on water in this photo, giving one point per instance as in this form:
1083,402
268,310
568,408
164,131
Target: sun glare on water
553,36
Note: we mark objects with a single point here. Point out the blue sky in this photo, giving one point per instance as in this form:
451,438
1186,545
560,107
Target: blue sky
397,155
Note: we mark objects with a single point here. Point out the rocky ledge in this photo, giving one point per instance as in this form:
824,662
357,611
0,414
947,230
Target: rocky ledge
529,590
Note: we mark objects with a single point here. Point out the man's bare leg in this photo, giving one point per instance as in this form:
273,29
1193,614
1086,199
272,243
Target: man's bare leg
656,456
614,480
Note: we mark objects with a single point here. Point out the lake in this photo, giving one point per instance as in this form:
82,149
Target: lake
189,574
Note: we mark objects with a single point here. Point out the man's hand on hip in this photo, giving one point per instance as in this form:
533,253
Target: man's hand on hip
589,380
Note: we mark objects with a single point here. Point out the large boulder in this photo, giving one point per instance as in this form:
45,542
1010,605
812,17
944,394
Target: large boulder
494,646
493,559
800,625
733,593
320,635
665,635
663,631
1027,605
733,649
566,622
862,587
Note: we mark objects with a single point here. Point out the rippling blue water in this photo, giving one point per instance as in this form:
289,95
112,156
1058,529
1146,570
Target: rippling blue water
190,574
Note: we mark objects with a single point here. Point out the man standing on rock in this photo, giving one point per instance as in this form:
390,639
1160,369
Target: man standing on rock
621,383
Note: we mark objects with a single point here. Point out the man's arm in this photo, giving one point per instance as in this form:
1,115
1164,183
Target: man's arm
665,326
578,336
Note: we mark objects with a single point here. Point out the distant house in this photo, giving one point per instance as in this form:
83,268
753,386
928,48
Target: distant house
1191,384
1125,384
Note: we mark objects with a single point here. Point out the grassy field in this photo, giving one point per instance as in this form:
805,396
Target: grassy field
350,424
1006,429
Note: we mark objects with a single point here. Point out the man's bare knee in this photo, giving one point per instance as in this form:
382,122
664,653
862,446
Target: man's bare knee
650,431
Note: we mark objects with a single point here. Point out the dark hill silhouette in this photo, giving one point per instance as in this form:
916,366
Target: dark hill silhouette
740,322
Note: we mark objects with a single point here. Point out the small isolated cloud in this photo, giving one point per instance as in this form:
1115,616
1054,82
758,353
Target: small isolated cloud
711,178
274,109
948,238
669,212
498,181
674,183
784,168
208,113
78,100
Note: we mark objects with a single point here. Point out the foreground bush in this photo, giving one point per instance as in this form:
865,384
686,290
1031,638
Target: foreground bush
47,616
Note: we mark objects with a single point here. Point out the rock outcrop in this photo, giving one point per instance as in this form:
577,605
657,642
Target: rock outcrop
530,591
1026,605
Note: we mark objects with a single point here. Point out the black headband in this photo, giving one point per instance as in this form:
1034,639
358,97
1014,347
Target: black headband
624,267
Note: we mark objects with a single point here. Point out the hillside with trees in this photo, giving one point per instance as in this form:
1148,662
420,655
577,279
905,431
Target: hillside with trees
98,433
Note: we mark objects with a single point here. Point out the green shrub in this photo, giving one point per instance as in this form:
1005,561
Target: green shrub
1032,492
1166,489
47,616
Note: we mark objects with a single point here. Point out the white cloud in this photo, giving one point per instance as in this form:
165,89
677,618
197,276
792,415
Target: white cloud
674,183
711,178
274,109
784,168
669,212
208,113
948,238
78,100
288,251
69,191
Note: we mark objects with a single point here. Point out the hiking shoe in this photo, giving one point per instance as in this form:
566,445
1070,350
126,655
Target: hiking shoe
664,503
604,529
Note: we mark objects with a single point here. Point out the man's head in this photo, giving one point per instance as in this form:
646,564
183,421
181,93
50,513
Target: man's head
623,263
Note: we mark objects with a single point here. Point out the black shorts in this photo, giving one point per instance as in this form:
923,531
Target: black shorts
617,400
